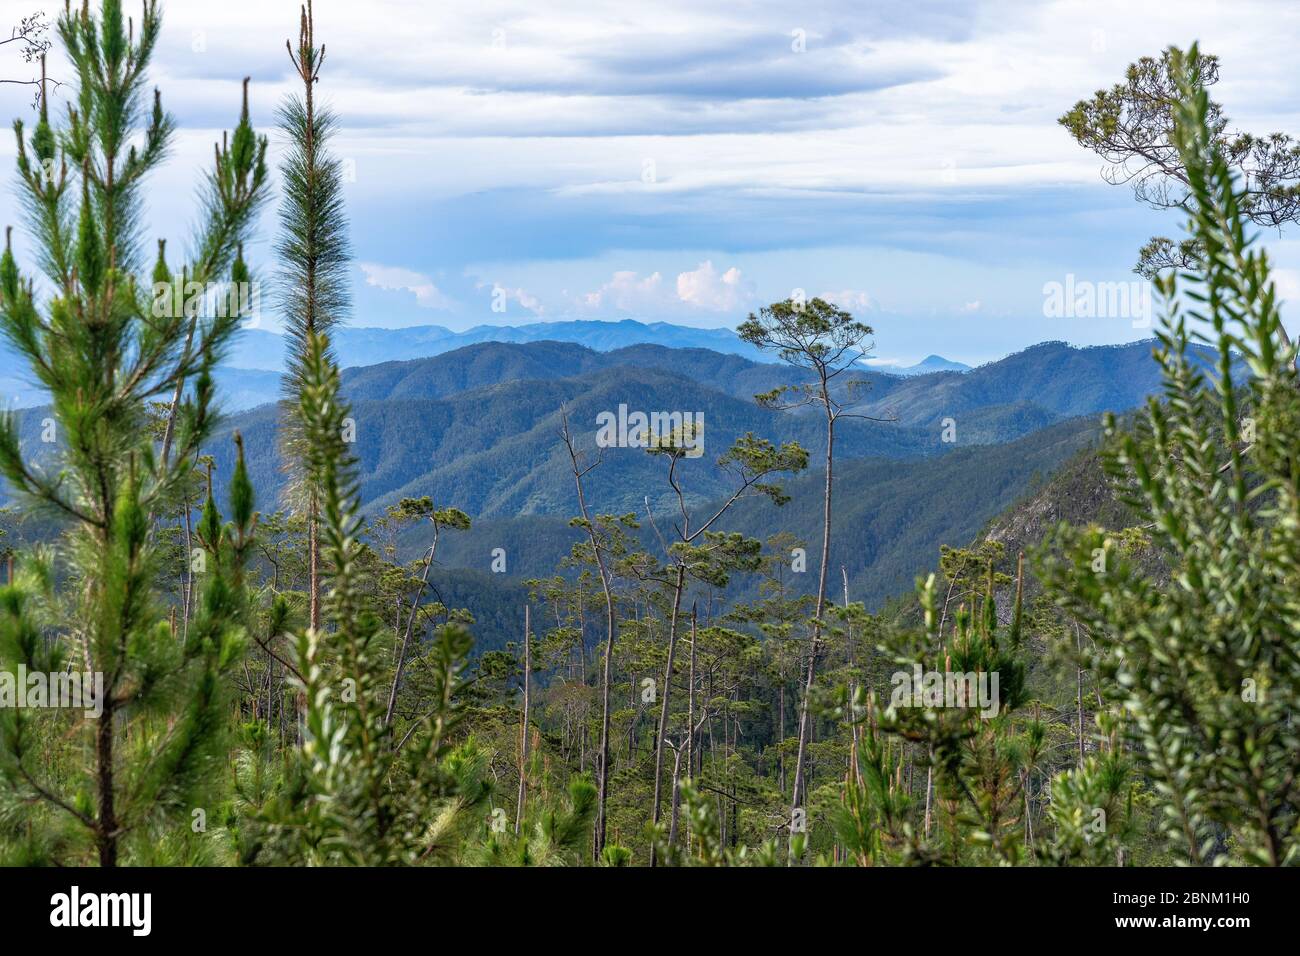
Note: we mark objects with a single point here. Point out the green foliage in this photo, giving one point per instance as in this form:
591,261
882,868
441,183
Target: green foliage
1138,710
552,835
1205,667
1092,809
708,848
811,335
1134,128
106,348
355,795
956,697
312,246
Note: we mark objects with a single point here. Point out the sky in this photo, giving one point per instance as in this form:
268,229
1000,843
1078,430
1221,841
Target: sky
691,161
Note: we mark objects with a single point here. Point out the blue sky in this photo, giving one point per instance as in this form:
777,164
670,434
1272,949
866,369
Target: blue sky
690,161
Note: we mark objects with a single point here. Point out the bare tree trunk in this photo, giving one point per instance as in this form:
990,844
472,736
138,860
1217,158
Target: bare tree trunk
602,790
1078,678
690,723
663,703
854,728
188,604
582,643
781,733
1029,812
690,705
799,769
523,732
106,831
636,719
606,677
929,791
676,798
410,627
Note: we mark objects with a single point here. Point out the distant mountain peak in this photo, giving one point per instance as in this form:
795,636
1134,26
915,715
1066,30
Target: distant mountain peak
931,363
367,345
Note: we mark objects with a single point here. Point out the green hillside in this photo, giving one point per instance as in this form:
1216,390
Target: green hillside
891,516
478,428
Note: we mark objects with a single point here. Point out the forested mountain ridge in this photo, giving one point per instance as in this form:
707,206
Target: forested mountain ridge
893,518
361,345
408,365
1064,380
495,449
478,428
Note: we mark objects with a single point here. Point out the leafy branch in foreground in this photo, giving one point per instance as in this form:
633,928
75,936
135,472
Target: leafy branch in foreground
354,795
1206,665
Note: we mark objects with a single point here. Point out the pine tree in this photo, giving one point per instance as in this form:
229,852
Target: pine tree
419,509
354,795
699,554
972,736
826,342
105,348
551,834
314,253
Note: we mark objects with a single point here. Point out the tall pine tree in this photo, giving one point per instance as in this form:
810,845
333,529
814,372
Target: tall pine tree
314,253
106,339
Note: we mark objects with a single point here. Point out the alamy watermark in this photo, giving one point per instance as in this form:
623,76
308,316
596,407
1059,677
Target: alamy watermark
922,688
624,429
62,690
222,299
74,908
1081,299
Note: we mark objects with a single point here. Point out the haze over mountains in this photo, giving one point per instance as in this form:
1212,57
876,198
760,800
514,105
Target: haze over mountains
250,374
359,345
931,363
477,427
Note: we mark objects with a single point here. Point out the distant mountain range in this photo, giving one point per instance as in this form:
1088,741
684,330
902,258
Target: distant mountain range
478,428
356,345
250,376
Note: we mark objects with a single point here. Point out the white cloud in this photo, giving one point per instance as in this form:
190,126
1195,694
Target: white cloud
522,296
396,279
705,288
853,300
892,114
628,292
1288,285
502,95
953,102
701,289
